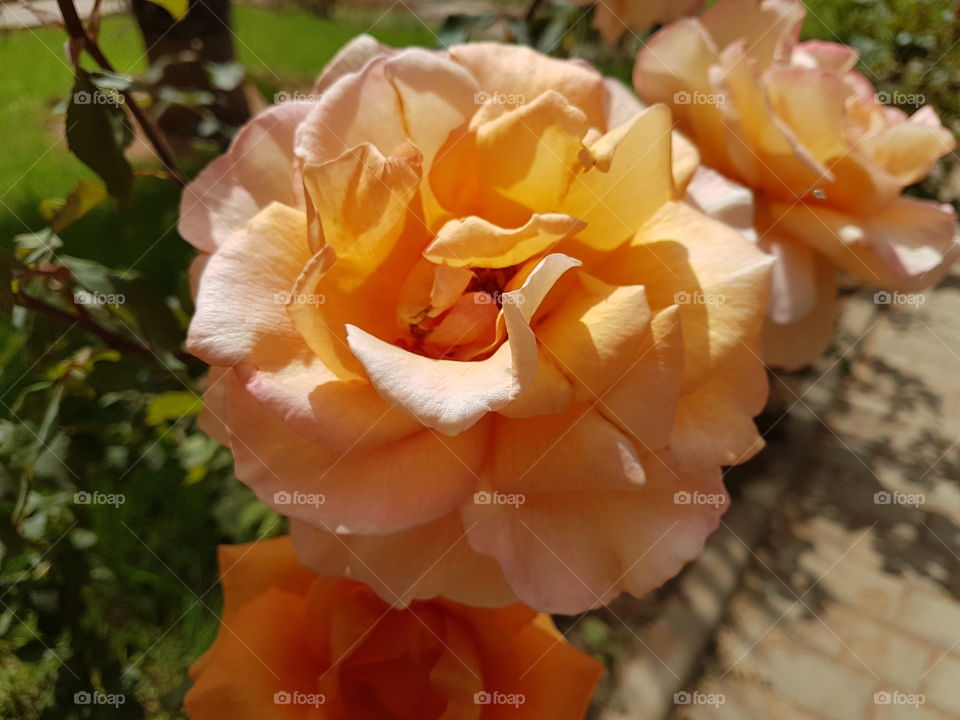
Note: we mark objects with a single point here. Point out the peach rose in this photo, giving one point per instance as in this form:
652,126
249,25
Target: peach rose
295,645
465,337
826,160
612,18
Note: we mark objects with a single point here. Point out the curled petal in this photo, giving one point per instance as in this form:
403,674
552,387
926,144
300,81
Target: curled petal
475,242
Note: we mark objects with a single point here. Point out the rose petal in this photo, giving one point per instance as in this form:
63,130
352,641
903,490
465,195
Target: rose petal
240,308
350,59
475,242
256,171
595,335
566,551
520,71
797,344
376,490
607,200
433,559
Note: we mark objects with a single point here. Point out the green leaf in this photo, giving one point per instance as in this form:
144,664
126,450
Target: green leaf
156,323
92,275
172,406
98,133
176,8
111,81
60,214
459,27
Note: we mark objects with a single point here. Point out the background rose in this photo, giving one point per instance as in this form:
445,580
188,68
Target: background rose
825,158
614,17
293,644
513,304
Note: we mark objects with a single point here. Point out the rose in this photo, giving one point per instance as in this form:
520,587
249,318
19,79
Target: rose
612,17
498,316
291,641
825,160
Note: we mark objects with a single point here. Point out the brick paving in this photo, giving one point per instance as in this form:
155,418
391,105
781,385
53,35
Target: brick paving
832,591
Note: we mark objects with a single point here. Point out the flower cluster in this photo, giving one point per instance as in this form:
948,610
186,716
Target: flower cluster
825,159
534,339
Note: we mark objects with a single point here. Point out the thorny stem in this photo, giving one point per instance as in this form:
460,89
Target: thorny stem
86,322
76,31
532,10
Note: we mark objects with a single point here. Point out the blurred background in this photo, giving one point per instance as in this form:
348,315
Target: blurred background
832,589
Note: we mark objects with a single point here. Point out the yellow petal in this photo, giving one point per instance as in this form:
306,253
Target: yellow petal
475,242
612,202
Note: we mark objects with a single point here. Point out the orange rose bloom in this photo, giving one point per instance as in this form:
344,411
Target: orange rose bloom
826,160
294,645
612,18
464,335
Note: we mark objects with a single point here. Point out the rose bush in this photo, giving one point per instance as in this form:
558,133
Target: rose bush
826,159
294,645
465,337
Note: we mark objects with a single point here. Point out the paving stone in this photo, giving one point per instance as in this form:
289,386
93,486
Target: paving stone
809,679
932,614
864,643
942,683
741,700
905,706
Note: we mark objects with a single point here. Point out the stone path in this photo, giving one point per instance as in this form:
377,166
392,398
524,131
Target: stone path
832,591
